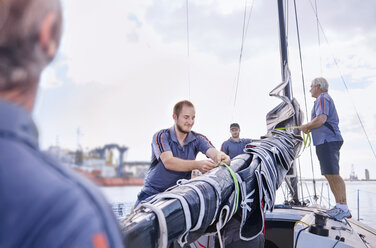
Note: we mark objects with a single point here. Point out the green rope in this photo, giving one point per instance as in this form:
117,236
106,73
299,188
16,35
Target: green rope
306,142
235,182
306,138
283,128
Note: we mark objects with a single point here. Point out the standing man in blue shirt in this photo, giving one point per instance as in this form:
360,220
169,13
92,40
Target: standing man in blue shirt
42,204
174,152
328,141
234,145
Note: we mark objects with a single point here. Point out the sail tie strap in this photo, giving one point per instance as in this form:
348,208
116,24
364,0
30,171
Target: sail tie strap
225,211
215,185
187,213
202,202
162,242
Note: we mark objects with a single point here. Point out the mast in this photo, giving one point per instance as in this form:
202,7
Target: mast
283,48
291,181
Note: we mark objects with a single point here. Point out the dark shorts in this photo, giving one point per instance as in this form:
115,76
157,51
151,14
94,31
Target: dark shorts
328,155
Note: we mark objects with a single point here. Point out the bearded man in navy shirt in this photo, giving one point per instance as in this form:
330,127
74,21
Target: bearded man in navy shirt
174,152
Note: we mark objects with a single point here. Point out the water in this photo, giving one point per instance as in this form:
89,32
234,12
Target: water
367,198
123,198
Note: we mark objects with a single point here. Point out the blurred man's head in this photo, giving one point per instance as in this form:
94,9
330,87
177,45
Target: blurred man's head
30,33
235,130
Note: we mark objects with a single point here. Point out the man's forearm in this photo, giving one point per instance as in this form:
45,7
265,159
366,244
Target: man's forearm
212,153
315,123
178,164
217,156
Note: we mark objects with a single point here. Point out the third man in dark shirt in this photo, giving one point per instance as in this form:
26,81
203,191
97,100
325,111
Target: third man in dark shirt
234,145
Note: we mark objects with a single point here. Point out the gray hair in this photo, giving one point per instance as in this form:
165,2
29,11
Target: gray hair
22,58
320,81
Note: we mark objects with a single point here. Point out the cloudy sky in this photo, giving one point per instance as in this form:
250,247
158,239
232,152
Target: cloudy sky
123,64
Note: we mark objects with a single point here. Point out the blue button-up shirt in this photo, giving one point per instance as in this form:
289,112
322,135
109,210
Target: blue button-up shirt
43,204
324,105
234,148
159,178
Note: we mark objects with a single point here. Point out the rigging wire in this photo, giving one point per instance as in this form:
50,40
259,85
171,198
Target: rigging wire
344,82
291,92
249,18
293,181
244,34
318,36
305,97
299,165
189,64
287,17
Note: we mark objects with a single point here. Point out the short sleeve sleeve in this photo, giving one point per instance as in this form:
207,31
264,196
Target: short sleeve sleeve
322,106
203,143
224,148
160,143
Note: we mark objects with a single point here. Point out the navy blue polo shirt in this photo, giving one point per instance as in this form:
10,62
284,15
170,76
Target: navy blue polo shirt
234,148
44,204
324,105
159,178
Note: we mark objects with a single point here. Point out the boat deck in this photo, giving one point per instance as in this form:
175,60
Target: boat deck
286,226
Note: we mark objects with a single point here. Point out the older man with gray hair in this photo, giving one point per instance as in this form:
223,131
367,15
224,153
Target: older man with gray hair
42,204
328,141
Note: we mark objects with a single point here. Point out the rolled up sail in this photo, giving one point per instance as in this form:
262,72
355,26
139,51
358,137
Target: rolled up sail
206,203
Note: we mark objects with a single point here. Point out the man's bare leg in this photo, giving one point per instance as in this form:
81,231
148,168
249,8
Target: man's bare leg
338,187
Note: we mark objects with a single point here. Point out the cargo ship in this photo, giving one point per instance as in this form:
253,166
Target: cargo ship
95,176
104,166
